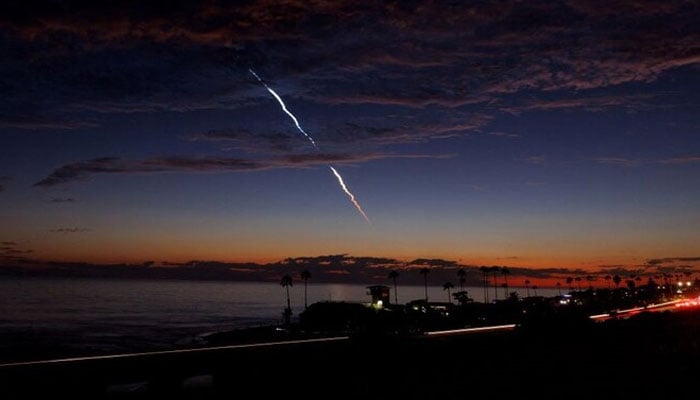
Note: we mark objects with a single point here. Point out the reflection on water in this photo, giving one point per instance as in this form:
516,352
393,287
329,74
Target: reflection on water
117,315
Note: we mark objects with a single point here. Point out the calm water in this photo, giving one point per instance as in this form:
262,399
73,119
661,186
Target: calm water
98,316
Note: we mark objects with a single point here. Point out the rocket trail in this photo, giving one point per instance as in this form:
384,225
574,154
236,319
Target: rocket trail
350,195
313,143
284,108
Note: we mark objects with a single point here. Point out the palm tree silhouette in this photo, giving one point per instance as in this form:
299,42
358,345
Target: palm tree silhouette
425,271
527,287
305,275
393,275
616,279
559,287
578,280
569,281
505,271
589,279
534,289
448,286
495,269
286,282
484,271
608,278
461,273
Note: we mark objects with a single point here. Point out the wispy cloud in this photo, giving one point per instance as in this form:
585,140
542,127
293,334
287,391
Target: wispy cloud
41,122
87,59
671,260
535,160
681,160
63,200
68,230
588,103
619,161
504,134
111,165
13,252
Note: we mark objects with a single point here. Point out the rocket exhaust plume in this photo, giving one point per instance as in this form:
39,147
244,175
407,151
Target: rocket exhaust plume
350,195
313,143
284,108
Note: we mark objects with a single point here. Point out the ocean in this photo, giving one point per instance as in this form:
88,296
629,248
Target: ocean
43,318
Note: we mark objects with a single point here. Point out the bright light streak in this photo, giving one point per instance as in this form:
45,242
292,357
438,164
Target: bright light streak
296,122
284,108
468,330
165,352
350,195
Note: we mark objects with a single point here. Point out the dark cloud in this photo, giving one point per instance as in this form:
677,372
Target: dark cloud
111,165
63,200
12,252
68,230
77,58
592,104
253,142
671,260
40,122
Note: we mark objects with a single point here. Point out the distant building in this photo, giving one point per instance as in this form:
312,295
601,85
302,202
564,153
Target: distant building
380,295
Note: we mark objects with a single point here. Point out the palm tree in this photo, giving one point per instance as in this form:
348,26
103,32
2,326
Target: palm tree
447,286
569,280
590,278
578,280
393,275
505,271
527,287
305,275
286,282
461,273
534,289
616,279
484,271
559,287
425,271
608,278
495,269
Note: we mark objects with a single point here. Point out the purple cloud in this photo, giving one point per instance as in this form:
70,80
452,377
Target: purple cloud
111,165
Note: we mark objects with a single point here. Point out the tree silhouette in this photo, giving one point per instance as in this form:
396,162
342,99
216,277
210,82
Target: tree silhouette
589,279
393,275
608,278
534,289
462,297
505,271
448,286
286,282
616,279
425,271
495,270
527,287
578,281
569,281
461,273
559,287
305,275
485,281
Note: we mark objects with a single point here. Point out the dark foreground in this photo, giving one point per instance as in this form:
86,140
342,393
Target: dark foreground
651,355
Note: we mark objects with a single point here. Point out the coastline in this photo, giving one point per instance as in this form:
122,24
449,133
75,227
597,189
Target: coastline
597,358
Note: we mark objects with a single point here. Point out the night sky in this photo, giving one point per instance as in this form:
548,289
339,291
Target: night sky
530,134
